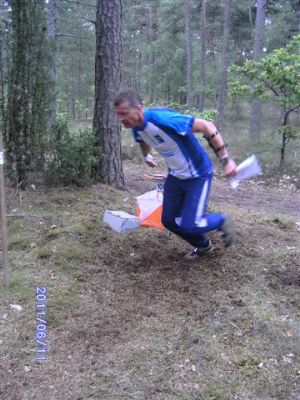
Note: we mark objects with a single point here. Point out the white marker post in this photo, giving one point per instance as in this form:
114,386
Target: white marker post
3,225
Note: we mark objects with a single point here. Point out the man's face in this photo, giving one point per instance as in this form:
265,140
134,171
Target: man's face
130,117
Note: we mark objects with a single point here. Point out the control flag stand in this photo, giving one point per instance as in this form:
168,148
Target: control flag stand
150,203
148,214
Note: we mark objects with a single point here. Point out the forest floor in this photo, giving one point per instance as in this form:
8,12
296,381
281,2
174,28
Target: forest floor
127,318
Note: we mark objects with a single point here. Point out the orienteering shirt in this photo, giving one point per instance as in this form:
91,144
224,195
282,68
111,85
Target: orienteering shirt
170,134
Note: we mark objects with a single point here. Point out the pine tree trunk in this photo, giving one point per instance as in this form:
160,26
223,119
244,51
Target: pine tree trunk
52,32
6,64
151,37
28,90
223,77
256,106
140,69
107,81
188,49
295,28
202,80
79,80
2,100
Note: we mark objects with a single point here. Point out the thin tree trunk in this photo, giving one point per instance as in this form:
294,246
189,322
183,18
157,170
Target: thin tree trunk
151,37
256,106
140,67
295,28
79,79
52,32
107,81
223,78
202,80
2,100
188,49
284,139
3,230
7,77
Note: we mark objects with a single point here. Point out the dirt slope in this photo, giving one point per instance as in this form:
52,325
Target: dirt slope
254,195
128,319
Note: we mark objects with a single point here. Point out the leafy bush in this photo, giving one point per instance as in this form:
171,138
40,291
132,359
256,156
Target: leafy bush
209,114
71,159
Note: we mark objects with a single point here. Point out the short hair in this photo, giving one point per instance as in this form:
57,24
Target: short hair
130,95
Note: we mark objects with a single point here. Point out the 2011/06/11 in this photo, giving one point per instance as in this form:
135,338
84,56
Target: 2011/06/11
41,326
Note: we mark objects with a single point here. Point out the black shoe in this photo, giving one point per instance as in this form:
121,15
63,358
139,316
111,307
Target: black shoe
198,252
228,235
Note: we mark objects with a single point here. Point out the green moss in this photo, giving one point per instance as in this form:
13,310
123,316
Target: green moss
280,221
19,243
22,285
73,250
214,393
83,225
14,225
44,252
53,233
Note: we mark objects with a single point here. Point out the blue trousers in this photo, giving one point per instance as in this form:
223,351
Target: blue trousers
184,209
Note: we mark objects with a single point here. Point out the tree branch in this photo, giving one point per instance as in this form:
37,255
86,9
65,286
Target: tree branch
293,109
89,20
269,87
250,16
71,35
80,3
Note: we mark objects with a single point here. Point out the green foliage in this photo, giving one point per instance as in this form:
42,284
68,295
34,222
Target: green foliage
75,59
289,132
277,75
153,62
209,114
72,158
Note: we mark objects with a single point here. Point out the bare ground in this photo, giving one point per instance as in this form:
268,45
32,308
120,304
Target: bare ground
128,319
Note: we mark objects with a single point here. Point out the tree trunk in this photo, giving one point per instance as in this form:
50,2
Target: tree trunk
2,100
6,65
151,37
284,139
79,80
202,80
223,77
140,73
295,28
28,90
188,49
107,82
256,106
52,32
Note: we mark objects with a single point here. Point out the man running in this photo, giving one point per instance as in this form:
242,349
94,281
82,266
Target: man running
188,183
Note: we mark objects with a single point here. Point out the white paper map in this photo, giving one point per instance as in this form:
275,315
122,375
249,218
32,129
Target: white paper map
246,170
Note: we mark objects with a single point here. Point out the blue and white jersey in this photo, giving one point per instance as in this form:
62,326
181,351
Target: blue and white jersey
170,134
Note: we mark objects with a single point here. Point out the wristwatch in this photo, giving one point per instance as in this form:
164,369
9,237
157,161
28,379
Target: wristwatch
224,160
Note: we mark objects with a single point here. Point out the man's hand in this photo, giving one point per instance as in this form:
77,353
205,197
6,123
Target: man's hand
229,169
150,160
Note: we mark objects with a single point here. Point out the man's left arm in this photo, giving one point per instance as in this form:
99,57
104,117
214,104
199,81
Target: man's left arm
216,142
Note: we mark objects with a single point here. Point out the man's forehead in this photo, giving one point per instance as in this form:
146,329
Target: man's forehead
125,105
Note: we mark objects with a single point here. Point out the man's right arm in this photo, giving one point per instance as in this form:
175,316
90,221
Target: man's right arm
145,149
217,143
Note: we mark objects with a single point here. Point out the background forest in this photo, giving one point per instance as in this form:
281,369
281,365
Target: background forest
178,53
124,316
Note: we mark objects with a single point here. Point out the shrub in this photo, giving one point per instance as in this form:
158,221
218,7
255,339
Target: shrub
209,114
71,159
